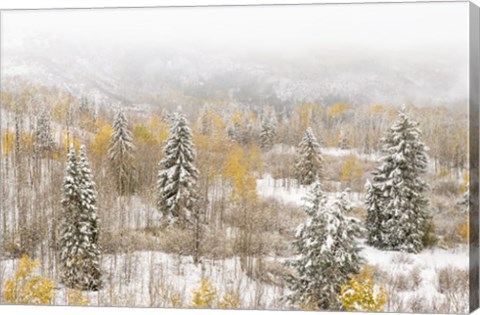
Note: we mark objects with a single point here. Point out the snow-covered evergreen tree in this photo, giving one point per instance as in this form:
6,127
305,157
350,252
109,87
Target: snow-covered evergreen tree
177,176
396,206
79,251
328,253
88,225
69,237
43,134
267,132
120,154
308,165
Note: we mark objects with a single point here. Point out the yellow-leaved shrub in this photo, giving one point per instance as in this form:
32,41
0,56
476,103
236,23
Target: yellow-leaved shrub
26,287
75,297
205,295
8,142
360,294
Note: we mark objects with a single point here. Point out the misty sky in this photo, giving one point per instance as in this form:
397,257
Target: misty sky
417,50
383,27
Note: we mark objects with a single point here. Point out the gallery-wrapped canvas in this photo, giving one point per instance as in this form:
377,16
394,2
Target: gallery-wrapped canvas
317,157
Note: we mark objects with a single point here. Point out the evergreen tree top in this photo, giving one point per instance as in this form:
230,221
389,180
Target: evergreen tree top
309,145
402,147
121,141
179,147
70,181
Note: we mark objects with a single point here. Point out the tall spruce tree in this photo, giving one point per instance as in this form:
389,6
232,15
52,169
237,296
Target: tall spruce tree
79,250
120,154
69,236
267,132
308,165
177,176
328,253
89,225
397,213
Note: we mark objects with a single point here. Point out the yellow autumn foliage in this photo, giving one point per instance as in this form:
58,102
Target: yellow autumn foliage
143,135
205,295
237,118
75,297
62,108
217,140
443,172
351,169
157,128
465,182
102,139
236,169
337,110
307,113
27,288
8,142
360,294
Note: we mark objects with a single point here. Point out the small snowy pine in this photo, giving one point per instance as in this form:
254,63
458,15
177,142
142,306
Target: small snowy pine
177,175
328,253
308,165
120,154
397,213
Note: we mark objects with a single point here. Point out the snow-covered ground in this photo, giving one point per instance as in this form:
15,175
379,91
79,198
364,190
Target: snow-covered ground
268,187
143,278
427,265
140,279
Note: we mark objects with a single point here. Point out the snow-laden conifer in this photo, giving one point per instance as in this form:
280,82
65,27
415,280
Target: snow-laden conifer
88,225
120,154
396,205
177,176
328,253
79,250
308,165
69,236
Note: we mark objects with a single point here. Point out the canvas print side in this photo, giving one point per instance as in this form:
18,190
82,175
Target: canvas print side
474,151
